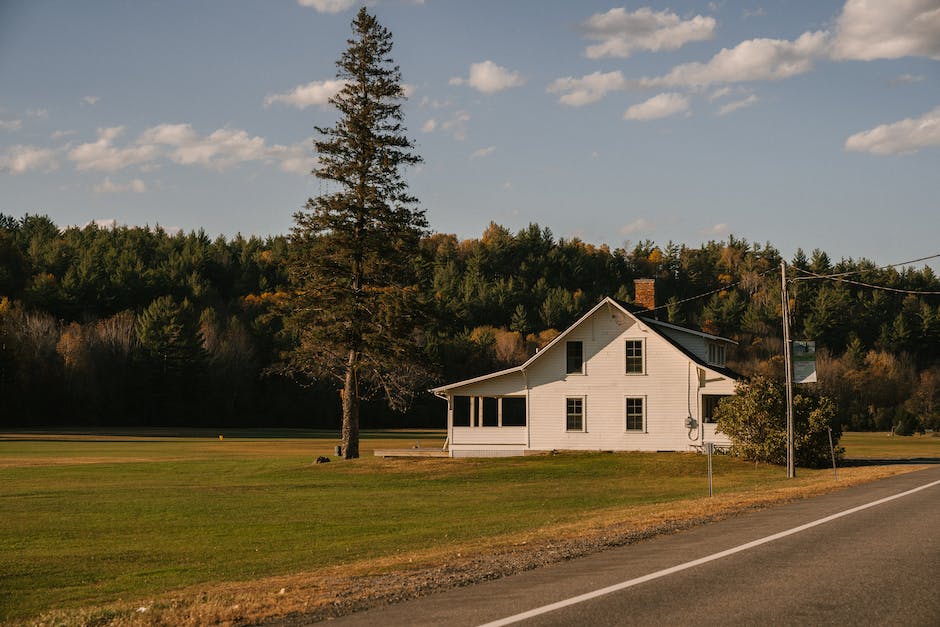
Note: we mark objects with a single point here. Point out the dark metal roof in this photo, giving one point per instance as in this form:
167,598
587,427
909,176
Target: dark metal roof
644,315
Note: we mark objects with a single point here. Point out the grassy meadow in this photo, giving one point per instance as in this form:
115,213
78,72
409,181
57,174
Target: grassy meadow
90,519
882,445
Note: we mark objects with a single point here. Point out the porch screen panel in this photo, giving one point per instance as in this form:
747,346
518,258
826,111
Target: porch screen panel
461,411
490,412
514,411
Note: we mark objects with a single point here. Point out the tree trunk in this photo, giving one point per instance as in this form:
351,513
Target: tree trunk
351,409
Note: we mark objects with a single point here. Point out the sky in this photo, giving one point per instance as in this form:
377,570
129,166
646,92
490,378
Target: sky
803,124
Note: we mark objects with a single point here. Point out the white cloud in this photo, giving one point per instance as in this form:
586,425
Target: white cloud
61,134
659,106
41,114
90,100
220,150
10,125
868,30
427,102
107,186
720,229
719,93
620,33
456,125
640,225
738,104
906,136
577,92
228,147
489,78
906,79
328,6
751,60
109,223
303,96
483,152
180,143
295,159
103,155
19,159
168,135
408,90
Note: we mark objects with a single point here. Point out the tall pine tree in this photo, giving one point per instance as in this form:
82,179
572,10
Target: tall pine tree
355,301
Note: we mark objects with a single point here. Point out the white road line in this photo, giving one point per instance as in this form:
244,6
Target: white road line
714,556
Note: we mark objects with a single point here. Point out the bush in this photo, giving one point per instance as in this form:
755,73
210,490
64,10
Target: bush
755,420
906,423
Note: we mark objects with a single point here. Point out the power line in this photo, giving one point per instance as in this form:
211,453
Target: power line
703,295
838,277
815,276
839,274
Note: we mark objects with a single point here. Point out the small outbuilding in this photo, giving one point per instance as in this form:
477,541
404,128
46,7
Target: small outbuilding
617,379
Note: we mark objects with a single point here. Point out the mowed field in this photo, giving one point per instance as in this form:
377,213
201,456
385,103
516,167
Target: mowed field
120,520
880,445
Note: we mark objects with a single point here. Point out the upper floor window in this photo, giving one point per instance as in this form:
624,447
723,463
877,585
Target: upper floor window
574,358
635,363
716,353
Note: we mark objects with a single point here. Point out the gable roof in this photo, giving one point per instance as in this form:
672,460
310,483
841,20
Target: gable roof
722,370
649,323
668,325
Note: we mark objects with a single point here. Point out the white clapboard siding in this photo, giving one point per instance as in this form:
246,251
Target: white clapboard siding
670,387
489,435
509,384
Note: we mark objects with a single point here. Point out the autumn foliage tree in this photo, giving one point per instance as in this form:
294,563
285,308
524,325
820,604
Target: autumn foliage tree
355,299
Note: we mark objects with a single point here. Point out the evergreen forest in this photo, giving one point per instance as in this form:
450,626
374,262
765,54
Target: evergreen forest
135,326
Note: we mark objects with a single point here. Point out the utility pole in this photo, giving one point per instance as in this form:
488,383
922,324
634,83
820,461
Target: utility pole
788,360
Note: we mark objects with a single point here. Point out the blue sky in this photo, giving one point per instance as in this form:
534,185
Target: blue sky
806,124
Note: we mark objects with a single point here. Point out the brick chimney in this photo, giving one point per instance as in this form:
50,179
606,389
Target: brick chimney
645,293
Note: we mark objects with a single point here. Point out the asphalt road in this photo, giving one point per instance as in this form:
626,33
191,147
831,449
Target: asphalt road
876,566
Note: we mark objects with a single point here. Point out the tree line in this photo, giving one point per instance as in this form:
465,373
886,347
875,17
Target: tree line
135,325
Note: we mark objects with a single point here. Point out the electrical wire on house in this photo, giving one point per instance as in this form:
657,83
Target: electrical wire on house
704,294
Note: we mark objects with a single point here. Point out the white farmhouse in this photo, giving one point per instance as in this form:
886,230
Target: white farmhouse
615,380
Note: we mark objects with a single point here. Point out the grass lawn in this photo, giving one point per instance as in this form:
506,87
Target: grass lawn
882,445
90,519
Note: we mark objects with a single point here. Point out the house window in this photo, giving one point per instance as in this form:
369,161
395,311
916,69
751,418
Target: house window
490,412
709,403
461,411
575,414
514,411
716,354
635,415
574,358
635,357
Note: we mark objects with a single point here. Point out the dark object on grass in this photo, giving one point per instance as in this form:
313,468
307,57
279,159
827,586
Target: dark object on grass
322,460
